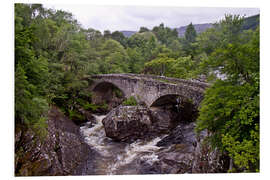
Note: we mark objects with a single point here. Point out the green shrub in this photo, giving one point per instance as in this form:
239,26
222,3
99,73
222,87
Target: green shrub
131,101
40,127
75,115
95,107
90,106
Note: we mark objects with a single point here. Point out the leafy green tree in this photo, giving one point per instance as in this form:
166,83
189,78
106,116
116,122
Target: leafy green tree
159,66
164,34
231,114
230,109
115,59
107,34
145,43
184,68
136,60
119,36
177,48
208,40
31,73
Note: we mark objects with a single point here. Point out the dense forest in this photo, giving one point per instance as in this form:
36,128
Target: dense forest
54,55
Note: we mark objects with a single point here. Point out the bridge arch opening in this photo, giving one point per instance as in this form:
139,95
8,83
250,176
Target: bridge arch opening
107,94
180,109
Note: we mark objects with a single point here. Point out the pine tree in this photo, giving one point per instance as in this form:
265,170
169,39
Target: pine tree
190,34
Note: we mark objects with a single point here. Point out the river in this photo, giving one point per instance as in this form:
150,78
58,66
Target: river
141,156
118,157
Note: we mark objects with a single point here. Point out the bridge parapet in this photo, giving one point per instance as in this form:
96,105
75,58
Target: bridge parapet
158,78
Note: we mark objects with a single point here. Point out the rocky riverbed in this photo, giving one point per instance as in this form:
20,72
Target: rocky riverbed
128,140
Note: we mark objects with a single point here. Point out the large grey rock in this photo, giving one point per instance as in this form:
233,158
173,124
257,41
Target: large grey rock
127,123
186,152
61,152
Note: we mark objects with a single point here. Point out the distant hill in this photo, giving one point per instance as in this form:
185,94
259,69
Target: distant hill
128,33
198,27
251,22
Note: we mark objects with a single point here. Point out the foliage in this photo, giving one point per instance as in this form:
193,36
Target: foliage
230,109
231,114
119,36
190,34
143,29
165,35
160,65
251,22
131,101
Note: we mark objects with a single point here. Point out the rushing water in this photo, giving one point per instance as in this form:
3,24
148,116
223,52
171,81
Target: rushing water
118,157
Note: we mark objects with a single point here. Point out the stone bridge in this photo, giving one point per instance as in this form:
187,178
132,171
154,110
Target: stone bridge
151,90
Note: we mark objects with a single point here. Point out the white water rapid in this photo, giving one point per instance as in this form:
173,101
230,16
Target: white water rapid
116,157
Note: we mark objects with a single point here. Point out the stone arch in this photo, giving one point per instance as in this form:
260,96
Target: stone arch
183,107
166,99
108,93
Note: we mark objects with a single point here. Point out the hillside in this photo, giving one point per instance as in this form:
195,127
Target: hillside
251,22
198,27
128,33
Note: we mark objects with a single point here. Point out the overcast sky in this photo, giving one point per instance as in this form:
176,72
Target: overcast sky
133,17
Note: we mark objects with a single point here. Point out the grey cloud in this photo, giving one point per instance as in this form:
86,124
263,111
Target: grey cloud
133,17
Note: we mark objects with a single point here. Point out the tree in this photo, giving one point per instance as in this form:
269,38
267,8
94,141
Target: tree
164,34
119,36
190,34
143,29
31,71
230,109
184,68
136,60
231,114
107,34
114,58
189,41
159,66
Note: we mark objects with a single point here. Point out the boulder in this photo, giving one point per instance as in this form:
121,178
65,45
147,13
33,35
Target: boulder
163,120
61,152
127,123
186,152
